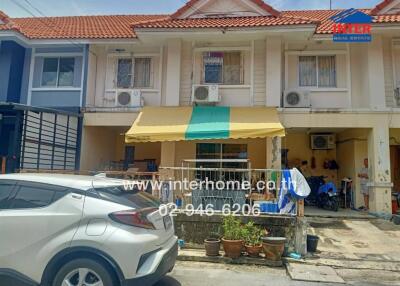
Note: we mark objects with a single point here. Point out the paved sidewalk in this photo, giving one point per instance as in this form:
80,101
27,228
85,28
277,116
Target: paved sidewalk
211,274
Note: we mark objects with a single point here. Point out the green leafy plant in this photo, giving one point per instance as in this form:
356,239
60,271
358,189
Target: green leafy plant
233,229
252,234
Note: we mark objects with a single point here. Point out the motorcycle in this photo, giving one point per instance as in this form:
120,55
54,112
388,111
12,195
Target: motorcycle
323,195
328,197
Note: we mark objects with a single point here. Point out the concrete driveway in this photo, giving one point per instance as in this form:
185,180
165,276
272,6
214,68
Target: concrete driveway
367,239
362,252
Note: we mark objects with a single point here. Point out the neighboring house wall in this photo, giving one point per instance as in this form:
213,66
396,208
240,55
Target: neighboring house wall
25,76
102,74
12,58
70,96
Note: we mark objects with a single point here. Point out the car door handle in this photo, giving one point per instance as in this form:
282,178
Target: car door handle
76,196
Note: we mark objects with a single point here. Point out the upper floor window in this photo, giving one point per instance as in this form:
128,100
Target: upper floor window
317,71
133,73
58,72
222,68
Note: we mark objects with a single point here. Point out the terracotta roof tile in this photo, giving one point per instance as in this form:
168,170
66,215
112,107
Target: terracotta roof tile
326,24
80,27
229,22
122,26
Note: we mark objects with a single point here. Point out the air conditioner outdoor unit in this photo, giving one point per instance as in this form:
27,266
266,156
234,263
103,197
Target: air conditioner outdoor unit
128,98
323,141
296,98
205,94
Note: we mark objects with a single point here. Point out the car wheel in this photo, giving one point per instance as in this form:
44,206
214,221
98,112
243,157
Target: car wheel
83,272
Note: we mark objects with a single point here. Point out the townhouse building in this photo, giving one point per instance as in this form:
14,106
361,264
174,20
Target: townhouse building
230,79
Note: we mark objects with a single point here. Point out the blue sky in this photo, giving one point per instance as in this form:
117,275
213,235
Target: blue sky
96,7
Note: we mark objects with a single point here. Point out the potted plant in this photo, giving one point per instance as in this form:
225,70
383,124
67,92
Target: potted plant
253,236
212,245
232,240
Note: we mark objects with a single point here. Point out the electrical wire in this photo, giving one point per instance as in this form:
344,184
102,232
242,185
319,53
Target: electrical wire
52,27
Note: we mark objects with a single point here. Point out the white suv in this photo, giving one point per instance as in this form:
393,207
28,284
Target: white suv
65,230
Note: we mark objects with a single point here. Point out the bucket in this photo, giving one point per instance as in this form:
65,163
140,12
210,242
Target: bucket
312,243
267,206
212,246
396,219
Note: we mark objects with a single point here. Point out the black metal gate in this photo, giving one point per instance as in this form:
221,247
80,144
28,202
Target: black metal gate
41,139
49,141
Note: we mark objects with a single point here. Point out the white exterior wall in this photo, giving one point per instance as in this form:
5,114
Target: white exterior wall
173,69
359,76
388,72
366,73
273,73
376,80
186,73
259,73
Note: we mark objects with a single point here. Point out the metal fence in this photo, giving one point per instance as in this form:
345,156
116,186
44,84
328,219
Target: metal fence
222,184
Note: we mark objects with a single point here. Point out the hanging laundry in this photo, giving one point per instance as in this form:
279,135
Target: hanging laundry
293,187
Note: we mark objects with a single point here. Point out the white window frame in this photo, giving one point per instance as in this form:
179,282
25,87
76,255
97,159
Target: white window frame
317,71
117,58
203,70
57,86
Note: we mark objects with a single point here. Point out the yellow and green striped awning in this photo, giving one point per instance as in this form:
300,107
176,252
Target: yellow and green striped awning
159,124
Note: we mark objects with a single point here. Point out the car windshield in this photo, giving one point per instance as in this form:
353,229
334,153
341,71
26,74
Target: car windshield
131,198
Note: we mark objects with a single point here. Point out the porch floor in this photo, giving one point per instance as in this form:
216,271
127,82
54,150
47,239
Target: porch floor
310,211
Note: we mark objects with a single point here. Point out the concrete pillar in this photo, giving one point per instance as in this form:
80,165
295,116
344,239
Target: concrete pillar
376,81
167,159
273,72
379,158
274,149
174,47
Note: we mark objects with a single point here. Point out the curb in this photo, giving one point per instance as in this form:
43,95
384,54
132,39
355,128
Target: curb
244,260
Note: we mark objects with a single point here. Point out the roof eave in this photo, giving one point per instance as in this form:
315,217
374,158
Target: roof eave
281,28
25,41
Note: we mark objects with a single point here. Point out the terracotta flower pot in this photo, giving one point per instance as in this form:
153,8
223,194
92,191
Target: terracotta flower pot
273,247
253,250
232,248
212,246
